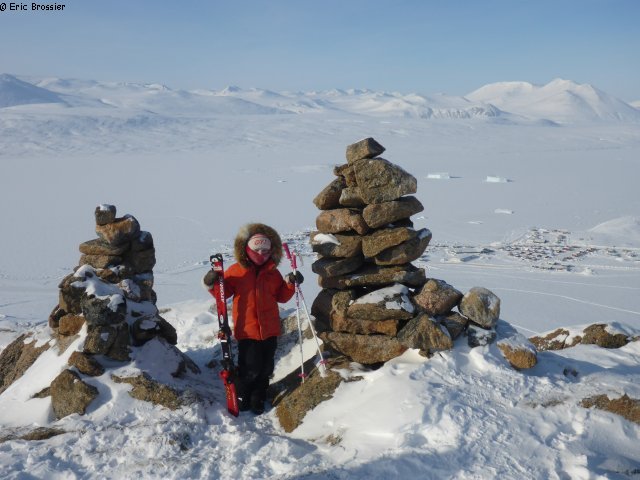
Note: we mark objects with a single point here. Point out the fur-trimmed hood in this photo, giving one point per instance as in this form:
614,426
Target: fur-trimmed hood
246,232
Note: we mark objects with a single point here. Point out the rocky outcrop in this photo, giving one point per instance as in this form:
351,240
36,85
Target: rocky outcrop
481,306
600,334
147,389
17,357
69,394
518,351
624,406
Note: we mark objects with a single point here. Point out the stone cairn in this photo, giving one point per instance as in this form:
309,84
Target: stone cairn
374,303
111,292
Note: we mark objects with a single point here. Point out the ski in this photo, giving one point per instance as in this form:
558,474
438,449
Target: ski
227,374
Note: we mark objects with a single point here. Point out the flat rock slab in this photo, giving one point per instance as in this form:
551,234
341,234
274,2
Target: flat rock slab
98,246
365,349
389,303
405,252
120,231
380,214
379,180
380,240
340,245
341,220
377,276
437,297
366,148
331,267
329,197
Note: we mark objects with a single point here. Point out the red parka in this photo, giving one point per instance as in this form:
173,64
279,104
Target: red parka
256,290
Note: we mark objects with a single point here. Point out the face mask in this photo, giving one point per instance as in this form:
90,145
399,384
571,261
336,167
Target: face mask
260,257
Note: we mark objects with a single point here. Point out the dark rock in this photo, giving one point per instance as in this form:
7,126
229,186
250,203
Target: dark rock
119,349
99,339
329,197
121,231
54,317
100,261
426,335
365,349
16,359
380,214
366,148
149,390
86,364
144,241
382,181
479,337
437,297
70,294
405,252
481,306
69,394
347,172
380,240
105,214
70,324
350,245
104,310
341,220
142,261
454,323
376,276
148,327
331,267
331,305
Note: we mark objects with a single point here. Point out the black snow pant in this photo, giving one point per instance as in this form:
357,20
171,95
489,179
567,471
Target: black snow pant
256,361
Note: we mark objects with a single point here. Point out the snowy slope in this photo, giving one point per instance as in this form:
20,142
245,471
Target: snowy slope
559,100
15,92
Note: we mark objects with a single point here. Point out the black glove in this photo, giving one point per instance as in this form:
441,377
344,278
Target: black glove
290,278
210,278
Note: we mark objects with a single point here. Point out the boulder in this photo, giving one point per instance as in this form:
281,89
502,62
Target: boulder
380,240
99,339
144,241
17,357
334,245
426,335
70,294
331,267
361,326
100,261
454,323
376,276
382,181
119,349
625,406
106,310
69,394
380,214
351,197
105,214
70,324
405,252
366,148
147,327
347,172
481,306
388,303
555,340
329,197
142,260
480,337
98,246
341,220
149,390
365,349
518,351
121,231
86,364
54,317
331,305
437,297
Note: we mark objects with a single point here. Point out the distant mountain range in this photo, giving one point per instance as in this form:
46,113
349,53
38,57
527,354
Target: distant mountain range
559,101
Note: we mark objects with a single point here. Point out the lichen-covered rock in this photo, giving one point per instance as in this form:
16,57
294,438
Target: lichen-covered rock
54,317
341,220
100,261
70,294
437,297
293,399
69,394
366,148
347,172
555,340
518,351
336,245
120,231
99,339
149,390
389,303
329,197
625,406
331,305
105,214
380,240
481,306
389,327
426,335
365,349
480,337
98,246
382,181
17,357
332,267
351,197
599,334
86,364
455,323
376,276
405,252
119,349
381,214
70,324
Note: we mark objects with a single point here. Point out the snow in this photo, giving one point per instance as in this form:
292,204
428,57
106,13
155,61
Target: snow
322,238
569,258
439,176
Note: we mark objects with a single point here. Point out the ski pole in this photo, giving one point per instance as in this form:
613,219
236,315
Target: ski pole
299,295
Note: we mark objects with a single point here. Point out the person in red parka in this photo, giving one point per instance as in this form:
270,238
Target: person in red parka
257,287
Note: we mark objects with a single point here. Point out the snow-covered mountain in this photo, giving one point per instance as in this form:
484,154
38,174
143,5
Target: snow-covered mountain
559,100
14,91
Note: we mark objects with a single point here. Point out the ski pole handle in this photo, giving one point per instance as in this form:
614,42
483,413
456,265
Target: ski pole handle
292,258
286,250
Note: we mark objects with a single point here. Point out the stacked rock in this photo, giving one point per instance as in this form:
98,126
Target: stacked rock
366,243
111,291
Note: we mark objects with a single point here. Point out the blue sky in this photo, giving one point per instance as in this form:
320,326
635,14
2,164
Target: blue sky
403,45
